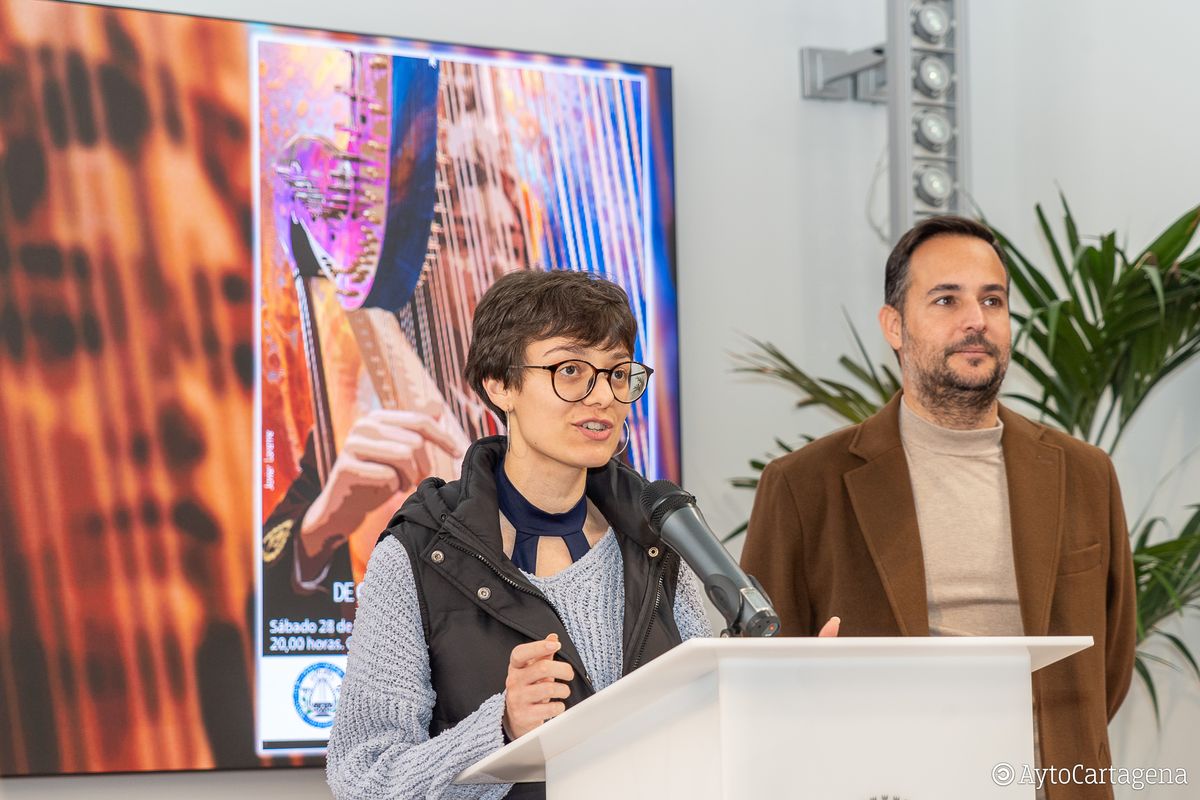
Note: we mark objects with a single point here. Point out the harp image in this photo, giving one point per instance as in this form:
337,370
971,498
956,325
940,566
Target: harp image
395,186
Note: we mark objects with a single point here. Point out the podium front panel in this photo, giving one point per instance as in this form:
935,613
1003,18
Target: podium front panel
831,728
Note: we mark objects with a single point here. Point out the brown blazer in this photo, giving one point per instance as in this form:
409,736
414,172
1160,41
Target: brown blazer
834,532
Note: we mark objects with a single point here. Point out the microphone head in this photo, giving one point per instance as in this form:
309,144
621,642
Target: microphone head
660,499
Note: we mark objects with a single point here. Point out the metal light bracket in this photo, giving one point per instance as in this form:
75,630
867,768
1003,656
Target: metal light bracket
841,74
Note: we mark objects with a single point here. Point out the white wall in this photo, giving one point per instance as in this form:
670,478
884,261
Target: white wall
773,240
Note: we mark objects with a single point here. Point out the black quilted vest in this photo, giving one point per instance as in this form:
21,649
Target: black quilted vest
476,606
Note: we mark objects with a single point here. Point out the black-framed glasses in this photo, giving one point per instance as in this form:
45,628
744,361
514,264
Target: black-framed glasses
575,378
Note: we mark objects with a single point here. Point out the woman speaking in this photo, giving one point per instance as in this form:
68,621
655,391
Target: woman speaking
497,601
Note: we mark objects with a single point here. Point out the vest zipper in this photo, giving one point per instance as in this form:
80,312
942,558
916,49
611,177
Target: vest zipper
502,576
658,590
526,590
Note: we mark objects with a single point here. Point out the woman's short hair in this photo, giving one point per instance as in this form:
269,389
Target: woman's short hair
525,306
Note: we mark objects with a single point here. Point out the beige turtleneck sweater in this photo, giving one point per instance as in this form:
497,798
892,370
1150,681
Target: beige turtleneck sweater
961,495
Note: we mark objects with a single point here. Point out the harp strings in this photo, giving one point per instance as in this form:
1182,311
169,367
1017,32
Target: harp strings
535,170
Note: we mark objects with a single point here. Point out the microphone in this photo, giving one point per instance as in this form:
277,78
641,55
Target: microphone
672,514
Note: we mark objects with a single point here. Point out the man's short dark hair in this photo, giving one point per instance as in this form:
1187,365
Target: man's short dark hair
896,276
528,305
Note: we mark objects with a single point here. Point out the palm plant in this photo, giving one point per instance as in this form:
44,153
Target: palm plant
1168,583
1095,349
1120,329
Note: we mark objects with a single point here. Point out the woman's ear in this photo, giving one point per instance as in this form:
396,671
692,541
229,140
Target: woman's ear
499,393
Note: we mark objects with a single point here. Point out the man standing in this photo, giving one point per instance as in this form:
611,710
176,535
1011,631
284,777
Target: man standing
947,514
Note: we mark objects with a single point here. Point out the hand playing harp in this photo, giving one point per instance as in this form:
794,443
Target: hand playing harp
357,233
383,454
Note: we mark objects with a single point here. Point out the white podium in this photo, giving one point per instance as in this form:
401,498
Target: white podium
854,718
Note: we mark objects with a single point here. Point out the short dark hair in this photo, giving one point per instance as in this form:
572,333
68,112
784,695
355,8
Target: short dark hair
528,305
896,278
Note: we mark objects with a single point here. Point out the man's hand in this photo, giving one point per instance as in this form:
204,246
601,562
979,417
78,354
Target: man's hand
831,627
535,686
384,453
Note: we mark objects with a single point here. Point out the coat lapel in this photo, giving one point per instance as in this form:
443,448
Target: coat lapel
1035,497
881,495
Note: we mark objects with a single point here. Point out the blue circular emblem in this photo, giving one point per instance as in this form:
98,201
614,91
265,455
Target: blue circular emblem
316,693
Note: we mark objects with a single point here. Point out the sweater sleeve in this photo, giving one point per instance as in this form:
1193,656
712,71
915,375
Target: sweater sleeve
380,746
690,616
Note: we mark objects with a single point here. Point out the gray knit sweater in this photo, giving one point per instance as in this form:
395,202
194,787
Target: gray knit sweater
380,745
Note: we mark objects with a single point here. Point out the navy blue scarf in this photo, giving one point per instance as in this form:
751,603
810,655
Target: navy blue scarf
532,522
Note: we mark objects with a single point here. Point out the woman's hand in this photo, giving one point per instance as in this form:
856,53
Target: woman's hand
535,686
831,627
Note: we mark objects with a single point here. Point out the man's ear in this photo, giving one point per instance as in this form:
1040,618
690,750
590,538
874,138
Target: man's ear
891,324
499,393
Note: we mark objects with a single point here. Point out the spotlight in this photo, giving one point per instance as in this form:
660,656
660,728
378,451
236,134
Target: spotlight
934,185
933,76
932,129
921,72
931,23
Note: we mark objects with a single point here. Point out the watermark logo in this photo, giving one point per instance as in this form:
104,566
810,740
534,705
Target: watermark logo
1137,778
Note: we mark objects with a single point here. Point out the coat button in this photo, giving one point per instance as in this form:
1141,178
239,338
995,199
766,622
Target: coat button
437,556
653,551
484,593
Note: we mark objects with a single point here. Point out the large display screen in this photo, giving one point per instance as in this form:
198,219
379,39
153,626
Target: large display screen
231,256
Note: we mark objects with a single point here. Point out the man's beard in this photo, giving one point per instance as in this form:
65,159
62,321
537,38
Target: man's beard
952,398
